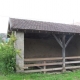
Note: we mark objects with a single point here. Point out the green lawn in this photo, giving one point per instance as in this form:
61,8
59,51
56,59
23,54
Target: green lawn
38,76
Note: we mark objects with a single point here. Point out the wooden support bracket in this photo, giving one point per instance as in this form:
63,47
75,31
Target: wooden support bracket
58,40
68,40
63,44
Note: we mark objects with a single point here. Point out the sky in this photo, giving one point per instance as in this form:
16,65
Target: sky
59,11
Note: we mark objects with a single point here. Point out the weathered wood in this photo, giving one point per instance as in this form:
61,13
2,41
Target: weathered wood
63,52
51,69
47,64
73,57
58,40
44,67
40,70
54,58
73,67
42,59
44,64
68,40
71,62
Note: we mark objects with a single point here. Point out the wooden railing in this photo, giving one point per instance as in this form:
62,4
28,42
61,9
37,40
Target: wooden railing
56,63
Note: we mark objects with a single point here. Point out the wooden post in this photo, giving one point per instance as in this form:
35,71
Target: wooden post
63,44
63,52
44,67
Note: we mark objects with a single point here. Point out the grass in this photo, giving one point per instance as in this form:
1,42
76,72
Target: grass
40,76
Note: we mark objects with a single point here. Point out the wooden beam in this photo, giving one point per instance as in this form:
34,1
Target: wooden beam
73,62
63,51
73,57
40,70
58,40
73,67
68,40
51,69
52,58
42,59
48,64
42,64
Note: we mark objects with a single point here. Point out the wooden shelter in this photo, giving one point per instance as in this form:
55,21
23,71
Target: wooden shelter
45,46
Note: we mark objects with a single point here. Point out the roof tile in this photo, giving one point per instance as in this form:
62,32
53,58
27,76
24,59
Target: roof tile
45,26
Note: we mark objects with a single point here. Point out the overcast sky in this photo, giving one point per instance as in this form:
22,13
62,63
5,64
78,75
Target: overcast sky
60,11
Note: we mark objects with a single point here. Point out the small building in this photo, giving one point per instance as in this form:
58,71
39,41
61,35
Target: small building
46,46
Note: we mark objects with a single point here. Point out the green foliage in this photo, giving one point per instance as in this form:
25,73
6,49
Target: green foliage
1,39
8,55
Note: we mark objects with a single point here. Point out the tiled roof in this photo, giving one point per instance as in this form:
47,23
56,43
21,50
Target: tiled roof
23,24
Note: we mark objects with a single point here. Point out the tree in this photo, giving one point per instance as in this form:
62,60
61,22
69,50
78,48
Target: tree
3,37
1,40
8,55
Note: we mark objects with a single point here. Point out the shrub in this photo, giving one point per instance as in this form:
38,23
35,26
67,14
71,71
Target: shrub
8,56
